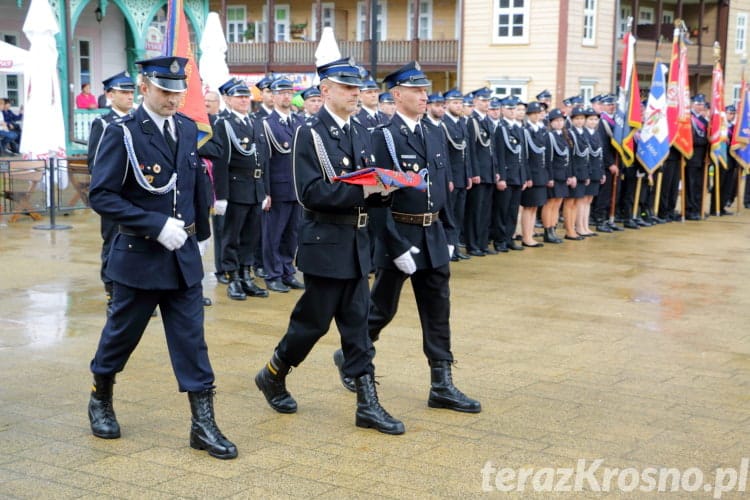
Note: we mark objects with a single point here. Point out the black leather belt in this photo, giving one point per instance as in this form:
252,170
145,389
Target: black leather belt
359,219
127,231
256,173
425,220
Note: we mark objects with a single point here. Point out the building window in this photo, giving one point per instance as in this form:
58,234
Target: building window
509,87
626,11
84,61
425,20
740,33
736,94
667,17
510,21
381,16
236,23
589,22
646,15
9,83
327,18
282,23
587,91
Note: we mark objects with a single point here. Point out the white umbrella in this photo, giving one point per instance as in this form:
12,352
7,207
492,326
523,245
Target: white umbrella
327,51
43,126
213,62
12,58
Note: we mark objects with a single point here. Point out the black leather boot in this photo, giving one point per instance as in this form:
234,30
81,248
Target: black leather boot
204,433
271,381
234,290
101,413
443,394
549,235
249,286
338,360
554,236
369,412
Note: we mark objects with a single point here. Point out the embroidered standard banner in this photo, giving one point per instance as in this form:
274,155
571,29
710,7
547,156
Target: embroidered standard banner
395,180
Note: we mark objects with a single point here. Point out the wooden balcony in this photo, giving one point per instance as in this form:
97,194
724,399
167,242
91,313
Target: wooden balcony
433,55
700,57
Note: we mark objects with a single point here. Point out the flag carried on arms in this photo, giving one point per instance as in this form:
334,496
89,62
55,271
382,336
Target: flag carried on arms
717,137
628,112
678,97
740,148
178,44
653,141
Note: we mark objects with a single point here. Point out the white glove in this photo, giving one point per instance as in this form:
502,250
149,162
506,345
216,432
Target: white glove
266,203
202,246
451,248
377,188
405,262
220,207
173,234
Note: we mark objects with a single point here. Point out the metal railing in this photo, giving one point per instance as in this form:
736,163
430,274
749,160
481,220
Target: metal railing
82,119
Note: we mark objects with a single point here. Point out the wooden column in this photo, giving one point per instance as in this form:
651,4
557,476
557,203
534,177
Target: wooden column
562,51
271,31
318,20
415,30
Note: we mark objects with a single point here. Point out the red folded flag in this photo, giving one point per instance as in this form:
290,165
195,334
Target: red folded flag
373,175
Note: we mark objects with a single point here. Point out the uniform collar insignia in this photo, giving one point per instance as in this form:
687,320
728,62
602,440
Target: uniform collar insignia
334,131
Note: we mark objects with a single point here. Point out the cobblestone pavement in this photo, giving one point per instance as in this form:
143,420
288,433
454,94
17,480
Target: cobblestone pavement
632,348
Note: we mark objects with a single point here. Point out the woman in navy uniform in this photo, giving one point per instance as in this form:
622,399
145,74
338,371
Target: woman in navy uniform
560,172
596,172
282,212
241,187
147,179
535,195
119,89
334,250
579,159
415,235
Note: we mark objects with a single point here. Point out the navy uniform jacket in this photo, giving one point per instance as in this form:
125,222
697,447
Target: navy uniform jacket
537,160
609,153
580,154
213,148
511,153
396,238
279,145
459,159
137,259
700,140
340,251
260,114
483,159
95,135
239,178
369,121
596,153
558,156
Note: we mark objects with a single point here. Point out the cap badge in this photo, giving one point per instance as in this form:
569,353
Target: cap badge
417,66
174,67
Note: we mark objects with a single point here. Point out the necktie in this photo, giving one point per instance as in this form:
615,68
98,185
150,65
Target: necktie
168,137
247,121
418,133
346,129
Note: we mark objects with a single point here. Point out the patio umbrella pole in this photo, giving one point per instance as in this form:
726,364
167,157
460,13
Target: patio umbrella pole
52,175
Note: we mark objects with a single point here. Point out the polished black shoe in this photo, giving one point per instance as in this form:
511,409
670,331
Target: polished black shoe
261,273
501,247
369,412
207,302
724,211
249,287
204,433
101,413
692,217
575,238
642,223
271,380
514,246
535,245
277,286
477,253
338,360
443,394
222,278
454,257
234,290
614,226
550,236
655,219
489,251
588,235
293,283
604,228
462,255
631,224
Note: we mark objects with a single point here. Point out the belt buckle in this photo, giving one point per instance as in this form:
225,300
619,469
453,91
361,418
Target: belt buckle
361,219
257,173
427,220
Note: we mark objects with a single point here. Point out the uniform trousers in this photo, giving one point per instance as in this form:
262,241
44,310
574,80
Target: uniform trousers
241,231
457,203
627,195
670,186
603,200
182,316
325,299
217,229
727,179
280,239
478,210
694,185
432,294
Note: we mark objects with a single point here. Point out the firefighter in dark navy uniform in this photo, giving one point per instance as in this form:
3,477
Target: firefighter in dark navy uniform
147,178
241,188
695,165
334,250
415,240
282,212
369,115
120,89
